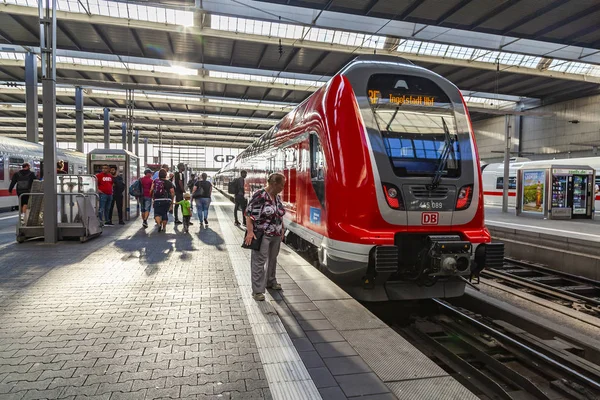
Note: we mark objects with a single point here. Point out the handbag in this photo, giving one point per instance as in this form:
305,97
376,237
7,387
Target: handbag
255,245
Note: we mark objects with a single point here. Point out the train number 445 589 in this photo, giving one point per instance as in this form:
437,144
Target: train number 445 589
430,218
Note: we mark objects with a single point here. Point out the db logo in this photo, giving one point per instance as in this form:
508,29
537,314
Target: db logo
429,218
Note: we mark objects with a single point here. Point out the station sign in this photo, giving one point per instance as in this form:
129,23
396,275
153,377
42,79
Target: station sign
571,171
109,157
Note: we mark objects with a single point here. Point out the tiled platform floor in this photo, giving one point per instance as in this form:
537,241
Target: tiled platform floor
133,314
137,314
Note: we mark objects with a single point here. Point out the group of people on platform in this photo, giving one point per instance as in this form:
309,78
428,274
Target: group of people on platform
111,190
262,215
167,194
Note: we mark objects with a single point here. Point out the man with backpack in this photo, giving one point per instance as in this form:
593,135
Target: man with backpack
240,201
163,194
145,197
23,180
118,189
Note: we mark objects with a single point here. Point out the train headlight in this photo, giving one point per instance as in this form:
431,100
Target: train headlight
465,195
393,196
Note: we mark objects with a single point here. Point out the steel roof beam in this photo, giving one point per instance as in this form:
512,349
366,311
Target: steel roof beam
534,15
563,22
394,28
115,131
164,125
107,71
333,20
459,6
185,116
151,140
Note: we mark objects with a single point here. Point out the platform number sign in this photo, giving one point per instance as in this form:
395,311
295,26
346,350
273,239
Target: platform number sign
430,218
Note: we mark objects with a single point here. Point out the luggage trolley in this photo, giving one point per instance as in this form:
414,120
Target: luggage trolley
77,209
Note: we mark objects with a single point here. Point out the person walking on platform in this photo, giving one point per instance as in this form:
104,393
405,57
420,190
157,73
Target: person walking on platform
118,189
186,211
163,194
239,199
202,193
192,183
23,180
179,189
146,198
105,192
165,167
264,218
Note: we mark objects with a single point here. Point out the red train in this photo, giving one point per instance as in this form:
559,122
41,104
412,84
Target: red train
383,181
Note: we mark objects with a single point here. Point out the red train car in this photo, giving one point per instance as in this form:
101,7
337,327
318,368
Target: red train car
382,181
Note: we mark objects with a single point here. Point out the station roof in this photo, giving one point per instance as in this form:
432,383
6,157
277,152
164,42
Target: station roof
226,71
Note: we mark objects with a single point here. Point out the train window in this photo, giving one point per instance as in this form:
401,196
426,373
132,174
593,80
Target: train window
1,167
512,182
14,165
416,120
317,167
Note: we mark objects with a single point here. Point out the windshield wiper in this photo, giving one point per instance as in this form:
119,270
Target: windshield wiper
446,152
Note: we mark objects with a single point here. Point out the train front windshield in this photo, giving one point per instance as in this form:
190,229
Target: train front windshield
417,123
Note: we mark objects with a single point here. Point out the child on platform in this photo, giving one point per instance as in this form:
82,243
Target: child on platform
186,210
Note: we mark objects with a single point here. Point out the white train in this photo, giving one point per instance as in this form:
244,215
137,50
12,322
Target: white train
493,176
15,152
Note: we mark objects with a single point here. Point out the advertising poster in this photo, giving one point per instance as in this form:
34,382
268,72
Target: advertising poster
534,193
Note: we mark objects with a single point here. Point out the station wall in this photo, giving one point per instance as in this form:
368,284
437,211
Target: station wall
574,122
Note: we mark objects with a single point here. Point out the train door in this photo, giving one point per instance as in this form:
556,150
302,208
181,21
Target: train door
317,168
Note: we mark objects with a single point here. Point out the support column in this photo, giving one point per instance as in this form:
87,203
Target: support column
47,19
145,152
136,142
79,119
31,97
107,128
505,179
124,135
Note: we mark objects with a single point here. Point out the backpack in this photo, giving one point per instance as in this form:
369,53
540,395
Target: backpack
159,189
232,187
203,189
23,183
135,189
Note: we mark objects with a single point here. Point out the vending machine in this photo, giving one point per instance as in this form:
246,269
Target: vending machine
556,191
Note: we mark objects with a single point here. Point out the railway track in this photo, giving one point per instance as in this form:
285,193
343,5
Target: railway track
497,360
579,293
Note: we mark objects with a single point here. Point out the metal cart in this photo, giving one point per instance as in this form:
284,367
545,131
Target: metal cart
77,209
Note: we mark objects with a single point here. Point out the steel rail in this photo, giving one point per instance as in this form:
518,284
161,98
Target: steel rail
540,287
582,378
542,268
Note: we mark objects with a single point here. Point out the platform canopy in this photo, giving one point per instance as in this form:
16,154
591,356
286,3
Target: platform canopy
231,68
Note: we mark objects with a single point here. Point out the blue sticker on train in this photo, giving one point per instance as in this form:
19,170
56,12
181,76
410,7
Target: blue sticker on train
315,216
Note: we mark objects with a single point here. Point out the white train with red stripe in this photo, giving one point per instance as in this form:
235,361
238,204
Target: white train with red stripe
15,152
493,176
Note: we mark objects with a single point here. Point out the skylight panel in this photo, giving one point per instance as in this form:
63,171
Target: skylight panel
260,78
463,53
485,56
571,67
433,49
290,31
119,9
409,46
